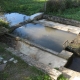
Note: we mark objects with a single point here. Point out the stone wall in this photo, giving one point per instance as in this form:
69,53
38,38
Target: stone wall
62,20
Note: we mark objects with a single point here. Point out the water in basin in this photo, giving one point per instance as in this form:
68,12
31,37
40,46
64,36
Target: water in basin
44,36
15,18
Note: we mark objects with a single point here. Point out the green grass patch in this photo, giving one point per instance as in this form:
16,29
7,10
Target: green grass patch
72,13
22,6
29,7
61,77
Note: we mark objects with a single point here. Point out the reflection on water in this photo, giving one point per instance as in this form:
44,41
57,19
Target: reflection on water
15,18
44,36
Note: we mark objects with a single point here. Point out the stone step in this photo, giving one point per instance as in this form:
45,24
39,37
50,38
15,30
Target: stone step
40,55
65,54
53,73
70,74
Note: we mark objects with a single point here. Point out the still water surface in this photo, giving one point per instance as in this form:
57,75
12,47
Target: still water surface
44,36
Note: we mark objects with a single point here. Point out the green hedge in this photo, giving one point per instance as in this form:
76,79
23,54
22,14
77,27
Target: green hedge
61,5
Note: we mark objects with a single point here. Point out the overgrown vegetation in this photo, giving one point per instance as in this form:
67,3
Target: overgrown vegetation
61,77
22,6
64,8
60,5
4,23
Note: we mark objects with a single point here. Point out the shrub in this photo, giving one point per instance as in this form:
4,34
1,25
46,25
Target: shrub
55,5
4,23
61,5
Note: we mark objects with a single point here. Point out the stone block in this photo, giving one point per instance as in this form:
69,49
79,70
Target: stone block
65,54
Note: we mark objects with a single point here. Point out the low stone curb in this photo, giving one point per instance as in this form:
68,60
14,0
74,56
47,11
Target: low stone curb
62,20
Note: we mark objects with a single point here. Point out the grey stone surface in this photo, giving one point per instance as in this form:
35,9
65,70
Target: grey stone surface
62,20
70,74
2,66
41,56
60,26
51,71
65,54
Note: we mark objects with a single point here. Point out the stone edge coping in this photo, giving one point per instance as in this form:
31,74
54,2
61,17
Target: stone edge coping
62,20
40,47
62,27
53,73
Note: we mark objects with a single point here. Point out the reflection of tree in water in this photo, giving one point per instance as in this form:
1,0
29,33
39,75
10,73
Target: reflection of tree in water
49,29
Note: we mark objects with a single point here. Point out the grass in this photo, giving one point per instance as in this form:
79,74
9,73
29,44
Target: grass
61,77
28,7
72,13
22,6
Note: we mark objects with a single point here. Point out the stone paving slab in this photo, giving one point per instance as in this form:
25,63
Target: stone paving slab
51,71
41,56
65,54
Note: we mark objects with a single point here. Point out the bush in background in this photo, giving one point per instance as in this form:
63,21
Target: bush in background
61,5
4,23
55,5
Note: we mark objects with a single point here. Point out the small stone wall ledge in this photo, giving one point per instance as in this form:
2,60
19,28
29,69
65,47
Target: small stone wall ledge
64,27
62,20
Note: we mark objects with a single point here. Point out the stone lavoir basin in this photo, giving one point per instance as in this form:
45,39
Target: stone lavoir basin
44,36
